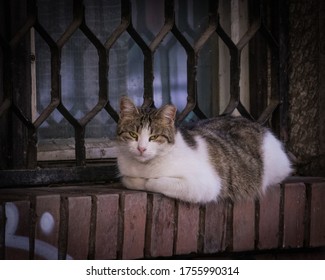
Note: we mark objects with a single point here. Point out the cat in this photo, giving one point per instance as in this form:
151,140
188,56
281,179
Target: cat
220,158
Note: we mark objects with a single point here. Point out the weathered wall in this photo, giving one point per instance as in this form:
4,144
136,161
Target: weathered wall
322,85
306,85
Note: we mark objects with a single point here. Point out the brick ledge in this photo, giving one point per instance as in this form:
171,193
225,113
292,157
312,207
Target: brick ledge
110,222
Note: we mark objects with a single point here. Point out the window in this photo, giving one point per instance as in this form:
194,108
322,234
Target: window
206,57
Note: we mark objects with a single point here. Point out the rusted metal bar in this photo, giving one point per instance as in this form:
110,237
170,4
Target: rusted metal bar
169,23
20,114
111,111
22,32
149,57
212,26
251,32
268,112
148,66
55,74
102,75
31,19
273,43
78,19
191,74
78,16
5,106
6,161
68,116
80,149
32,148
234,70
116,34
125,22
206,35
234,82
242,110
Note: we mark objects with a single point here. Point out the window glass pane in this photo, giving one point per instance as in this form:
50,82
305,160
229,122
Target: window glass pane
148,18
43,74
55,16
208,78
170,71
79,75
102,17
125,71
55,127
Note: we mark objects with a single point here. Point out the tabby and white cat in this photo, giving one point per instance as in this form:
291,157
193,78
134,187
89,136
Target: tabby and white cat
224,157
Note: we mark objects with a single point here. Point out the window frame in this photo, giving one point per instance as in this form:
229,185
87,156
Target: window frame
22,160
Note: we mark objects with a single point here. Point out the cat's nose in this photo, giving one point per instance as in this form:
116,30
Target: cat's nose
141,149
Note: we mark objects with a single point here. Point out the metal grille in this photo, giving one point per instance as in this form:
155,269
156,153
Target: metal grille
265,36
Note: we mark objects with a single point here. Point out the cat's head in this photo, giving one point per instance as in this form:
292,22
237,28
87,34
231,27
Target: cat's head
146,133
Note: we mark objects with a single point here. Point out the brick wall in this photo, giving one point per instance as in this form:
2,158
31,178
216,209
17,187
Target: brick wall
109,222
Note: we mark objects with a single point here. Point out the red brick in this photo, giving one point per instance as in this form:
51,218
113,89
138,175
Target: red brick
47,226
215,223
317,222
244,226
17,228
269,219
187,228
161,225
134,213
79,225
106,226
294,209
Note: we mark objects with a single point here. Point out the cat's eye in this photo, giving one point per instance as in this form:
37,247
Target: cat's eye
153,137
133,135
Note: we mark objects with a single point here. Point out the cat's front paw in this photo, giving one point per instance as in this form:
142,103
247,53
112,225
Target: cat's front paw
134,183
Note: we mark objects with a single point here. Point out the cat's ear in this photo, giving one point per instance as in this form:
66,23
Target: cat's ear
127,107
168,112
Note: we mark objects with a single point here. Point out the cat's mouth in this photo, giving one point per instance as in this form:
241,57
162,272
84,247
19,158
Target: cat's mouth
143,157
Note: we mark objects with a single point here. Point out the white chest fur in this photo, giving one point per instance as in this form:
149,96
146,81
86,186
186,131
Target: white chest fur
190,166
